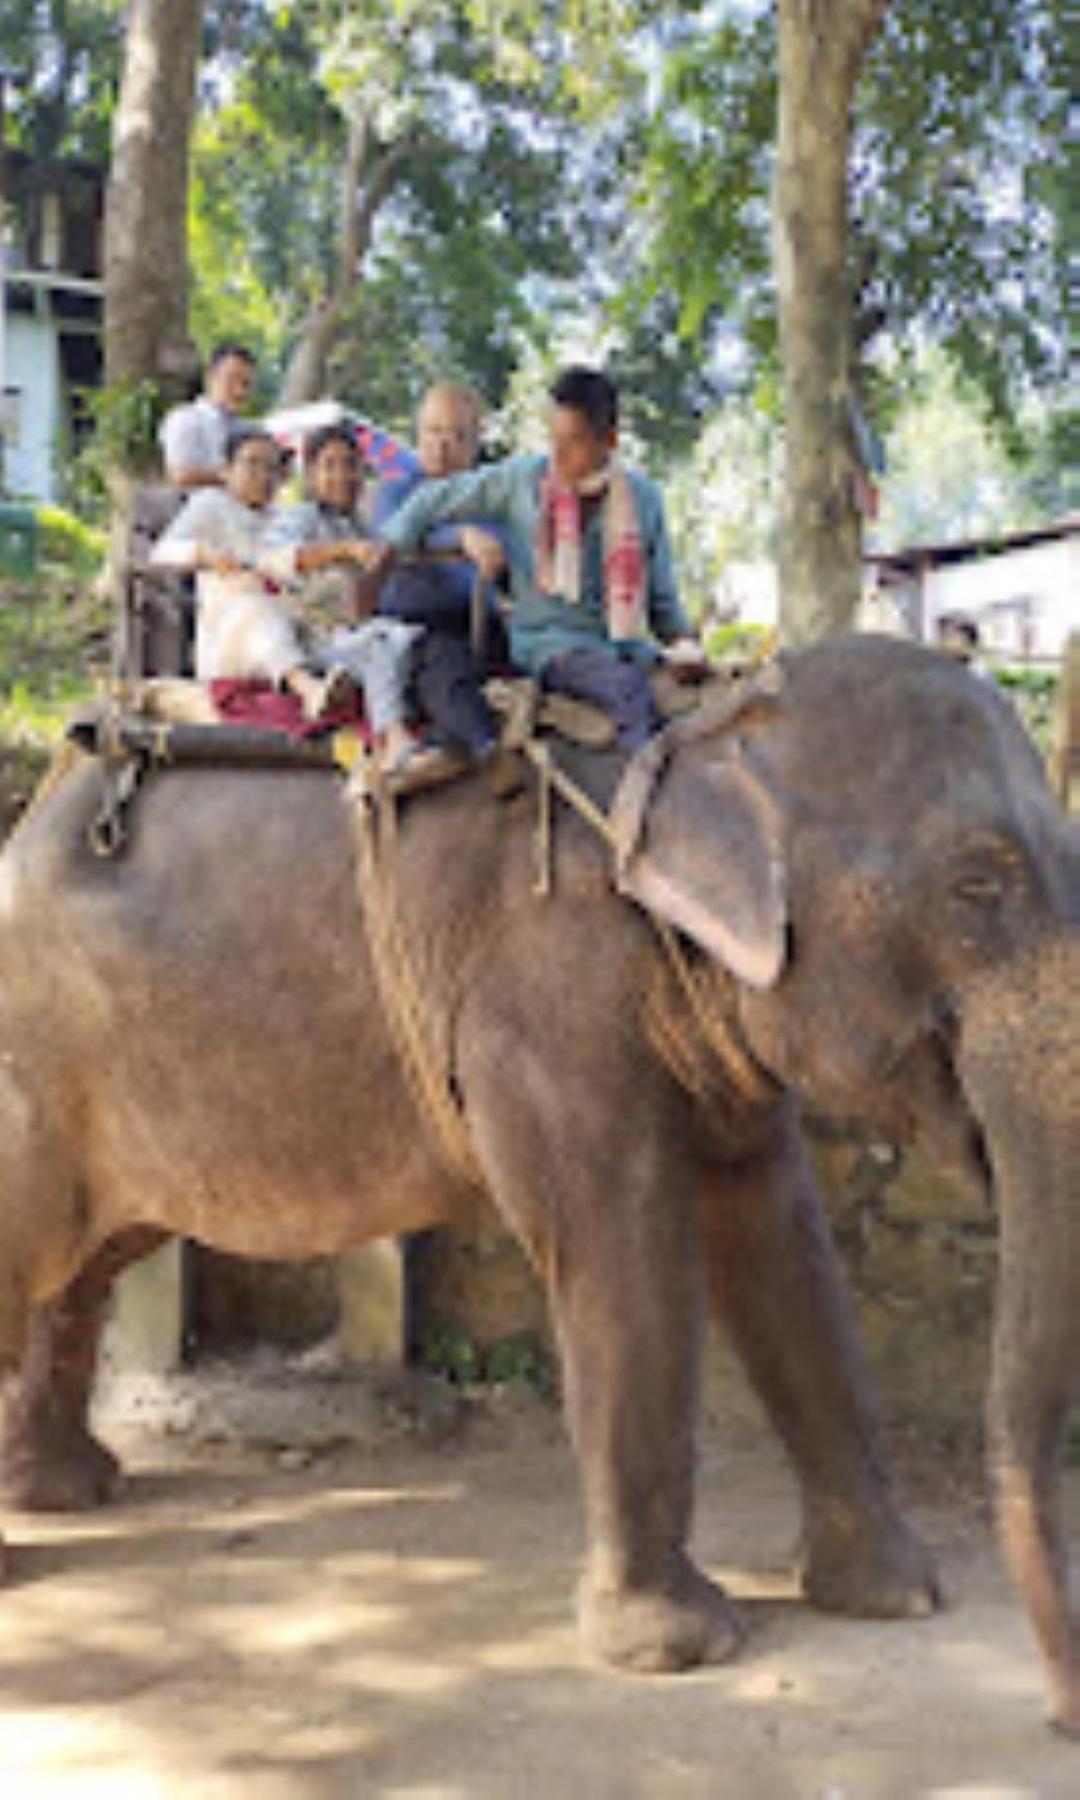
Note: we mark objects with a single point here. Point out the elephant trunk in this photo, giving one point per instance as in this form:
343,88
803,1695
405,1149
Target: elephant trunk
1035,1349
1020,1063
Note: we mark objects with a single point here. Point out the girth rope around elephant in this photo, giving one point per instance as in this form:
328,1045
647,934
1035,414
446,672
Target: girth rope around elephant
131,746
429,1075
429,1071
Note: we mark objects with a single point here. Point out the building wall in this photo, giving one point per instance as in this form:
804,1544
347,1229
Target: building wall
33,411
1025,601
749,592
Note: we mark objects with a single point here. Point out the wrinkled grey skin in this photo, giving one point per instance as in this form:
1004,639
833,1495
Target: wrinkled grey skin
191,1042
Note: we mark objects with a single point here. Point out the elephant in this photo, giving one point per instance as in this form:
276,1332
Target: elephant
854,892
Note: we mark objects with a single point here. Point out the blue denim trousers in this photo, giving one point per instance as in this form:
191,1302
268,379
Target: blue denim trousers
613,681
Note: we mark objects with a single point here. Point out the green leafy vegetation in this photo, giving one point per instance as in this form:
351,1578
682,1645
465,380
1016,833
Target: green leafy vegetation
55,631
959,205
459,134
600,174
737,643
71,549
126,416
1034,694
521,1360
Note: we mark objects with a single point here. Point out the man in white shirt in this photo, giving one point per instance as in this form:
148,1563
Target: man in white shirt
193,437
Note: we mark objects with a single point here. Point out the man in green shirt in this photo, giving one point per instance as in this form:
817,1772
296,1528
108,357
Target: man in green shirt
595,604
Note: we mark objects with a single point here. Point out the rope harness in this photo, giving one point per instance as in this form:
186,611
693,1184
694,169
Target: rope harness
428,1068
429,1073
131,747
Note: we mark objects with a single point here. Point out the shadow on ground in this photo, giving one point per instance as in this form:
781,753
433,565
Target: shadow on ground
398,1621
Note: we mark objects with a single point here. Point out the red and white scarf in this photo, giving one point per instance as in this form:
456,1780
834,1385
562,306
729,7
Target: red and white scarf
559,540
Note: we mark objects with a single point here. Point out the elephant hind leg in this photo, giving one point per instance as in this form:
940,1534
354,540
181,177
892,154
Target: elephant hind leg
45,1238
777,1288
47,1348
49,1459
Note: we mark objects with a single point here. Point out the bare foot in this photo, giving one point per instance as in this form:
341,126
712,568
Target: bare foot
320,694
395,747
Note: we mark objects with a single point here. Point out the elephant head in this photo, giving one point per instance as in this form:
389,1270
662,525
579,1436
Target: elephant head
877,861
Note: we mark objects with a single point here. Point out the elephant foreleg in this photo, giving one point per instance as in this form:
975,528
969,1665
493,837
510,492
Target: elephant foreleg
49,1460
778,1290
627,1315
613,1228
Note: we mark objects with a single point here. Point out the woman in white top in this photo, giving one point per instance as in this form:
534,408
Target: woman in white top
244,628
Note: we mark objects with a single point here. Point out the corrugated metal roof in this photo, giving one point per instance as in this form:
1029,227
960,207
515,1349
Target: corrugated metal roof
920,556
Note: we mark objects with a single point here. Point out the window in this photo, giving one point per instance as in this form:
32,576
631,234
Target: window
52,232
11,420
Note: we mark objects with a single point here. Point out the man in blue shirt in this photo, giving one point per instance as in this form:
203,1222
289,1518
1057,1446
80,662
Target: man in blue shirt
591,575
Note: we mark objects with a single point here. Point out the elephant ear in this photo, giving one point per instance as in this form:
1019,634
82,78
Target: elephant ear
706,856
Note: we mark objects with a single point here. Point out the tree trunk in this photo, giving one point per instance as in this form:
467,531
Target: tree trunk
146,206
822,46
146,288
366,181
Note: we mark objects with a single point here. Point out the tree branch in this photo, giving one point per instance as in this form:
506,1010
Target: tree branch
350,238
362,196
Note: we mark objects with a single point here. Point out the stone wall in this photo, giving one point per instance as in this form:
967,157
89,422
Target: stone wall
920,1254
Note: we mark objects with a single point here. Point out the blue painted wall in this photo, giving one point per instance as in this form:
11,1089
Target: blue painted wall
34,410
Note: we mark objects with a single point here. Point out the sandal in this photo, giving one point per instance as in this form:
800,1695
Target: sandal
420,765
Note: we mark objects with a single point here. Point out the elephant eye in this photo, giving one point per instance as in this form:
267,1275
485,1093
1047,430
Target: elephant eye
986,874
981,887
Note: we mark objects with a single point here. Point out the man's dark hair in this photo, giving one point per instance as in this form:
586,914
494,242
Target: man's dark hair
315,443
220,351
590,392
246,434
958,625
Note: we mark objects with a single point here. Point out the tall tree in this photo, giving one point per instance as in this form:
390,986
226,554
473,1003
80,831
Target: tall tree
432,190
822,47
146,336
958,193
367,176
956,202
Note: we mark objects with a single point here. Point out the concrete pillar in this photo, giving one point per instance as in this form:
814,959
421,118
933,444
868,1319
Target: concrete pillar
1065,748
145,1330
371,1284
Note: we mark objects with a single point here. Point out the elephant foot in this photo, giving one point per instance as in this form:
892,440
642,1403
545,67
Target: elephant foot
69,1473
658,1631
1064,1720
1063,1714
866,1564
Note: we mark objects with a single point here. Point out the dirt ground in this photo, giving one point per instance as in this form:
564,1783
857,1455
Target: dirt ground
392,1617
